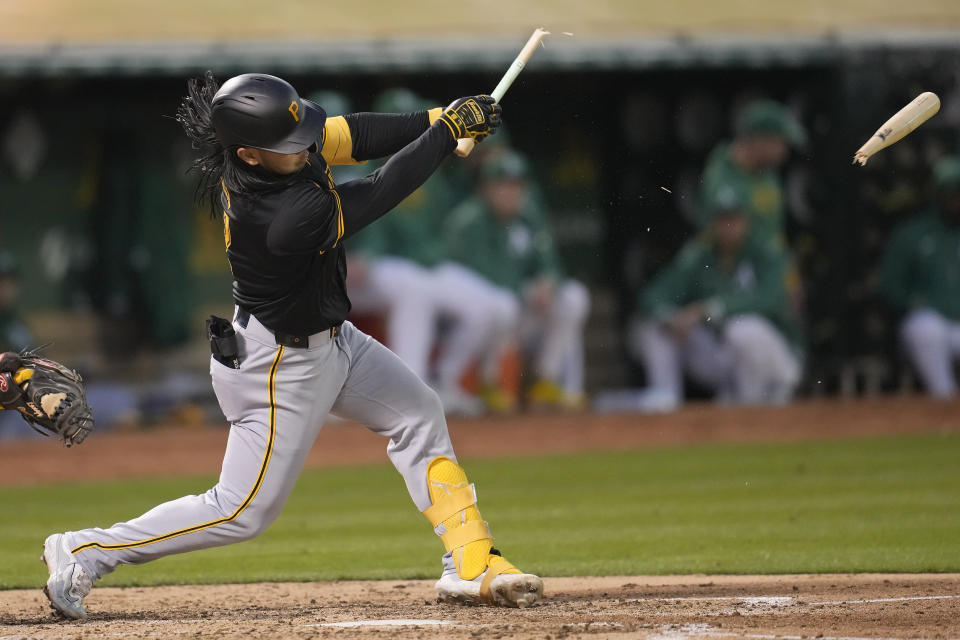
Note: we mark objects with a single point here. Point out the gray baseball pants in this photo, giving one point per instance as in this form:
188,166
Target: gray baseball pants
276,403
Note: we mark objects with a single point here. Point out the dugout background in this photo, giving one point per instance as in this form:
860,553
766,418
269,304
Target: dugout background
97,208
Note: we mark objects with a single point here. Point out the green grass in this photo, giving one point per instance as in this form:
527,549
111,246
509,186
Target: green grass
890,504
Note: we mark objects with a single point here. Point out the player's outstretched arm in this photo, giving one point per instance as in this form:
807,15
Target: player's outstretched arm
358,137
366,199
318,219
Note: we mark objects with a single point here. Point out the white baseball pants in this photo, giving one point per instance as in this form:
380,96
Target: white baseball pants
933,344
554,335
750,361
486,328
276,403
415,298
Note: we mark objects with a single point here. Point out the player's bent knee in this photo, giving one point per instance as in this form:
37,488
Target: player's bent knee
744,332
504,313
253,521
737,334
246,518
430,403
243,529
924,328
423,401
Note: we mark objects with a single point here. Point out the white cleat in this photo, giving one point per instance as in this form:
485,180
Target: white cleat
505,590
69,584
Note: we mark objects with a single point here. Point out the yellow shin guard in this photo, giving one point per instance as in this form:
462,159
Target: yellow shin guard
457,521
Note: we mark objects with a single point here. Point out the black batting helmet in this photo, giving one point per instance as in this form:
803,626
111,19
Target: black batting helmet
265,112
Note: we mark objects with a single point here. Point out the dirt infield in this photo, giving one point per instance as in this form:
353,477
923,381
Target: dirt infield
674,608
172,451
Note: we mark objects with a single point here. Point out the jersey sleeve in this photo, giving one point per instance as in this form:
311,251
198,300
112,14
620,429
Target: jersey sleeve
309,218
337,148
364,200
358,137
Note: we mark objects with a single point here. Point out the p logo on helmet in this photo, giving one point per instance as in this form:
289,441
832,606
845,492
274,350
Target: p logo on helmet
264,112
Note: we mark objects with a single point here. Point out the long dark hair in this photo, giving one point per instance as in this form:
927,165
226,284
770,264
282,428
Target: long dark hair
215,163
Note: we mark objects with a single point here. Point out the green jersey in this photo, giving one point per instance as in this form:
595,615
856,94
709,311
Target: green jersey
507,254
762,193
761,280
921,267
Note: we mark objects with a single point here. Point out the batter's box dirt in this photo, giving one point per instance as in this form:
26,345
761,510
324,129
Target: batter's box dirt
831,607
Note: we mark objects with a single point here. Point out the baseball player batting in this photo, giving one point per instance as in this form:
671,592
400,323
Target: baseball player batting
288,357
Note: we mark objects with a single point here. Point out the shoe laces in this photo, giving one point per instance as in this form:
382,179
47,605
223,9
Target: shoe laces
80,584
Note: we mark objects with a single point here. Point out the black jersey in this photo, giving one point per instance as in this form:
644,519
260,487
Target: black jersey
285,239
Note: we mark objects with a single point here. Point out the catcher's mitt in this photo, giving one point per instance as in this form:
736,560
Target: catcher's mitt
47,394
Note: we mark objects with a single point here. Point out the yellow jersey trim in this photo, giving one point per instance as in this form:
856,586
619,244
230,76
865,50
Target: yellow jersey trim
338,142
226,230
340,227
336,196
223,185
271,388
